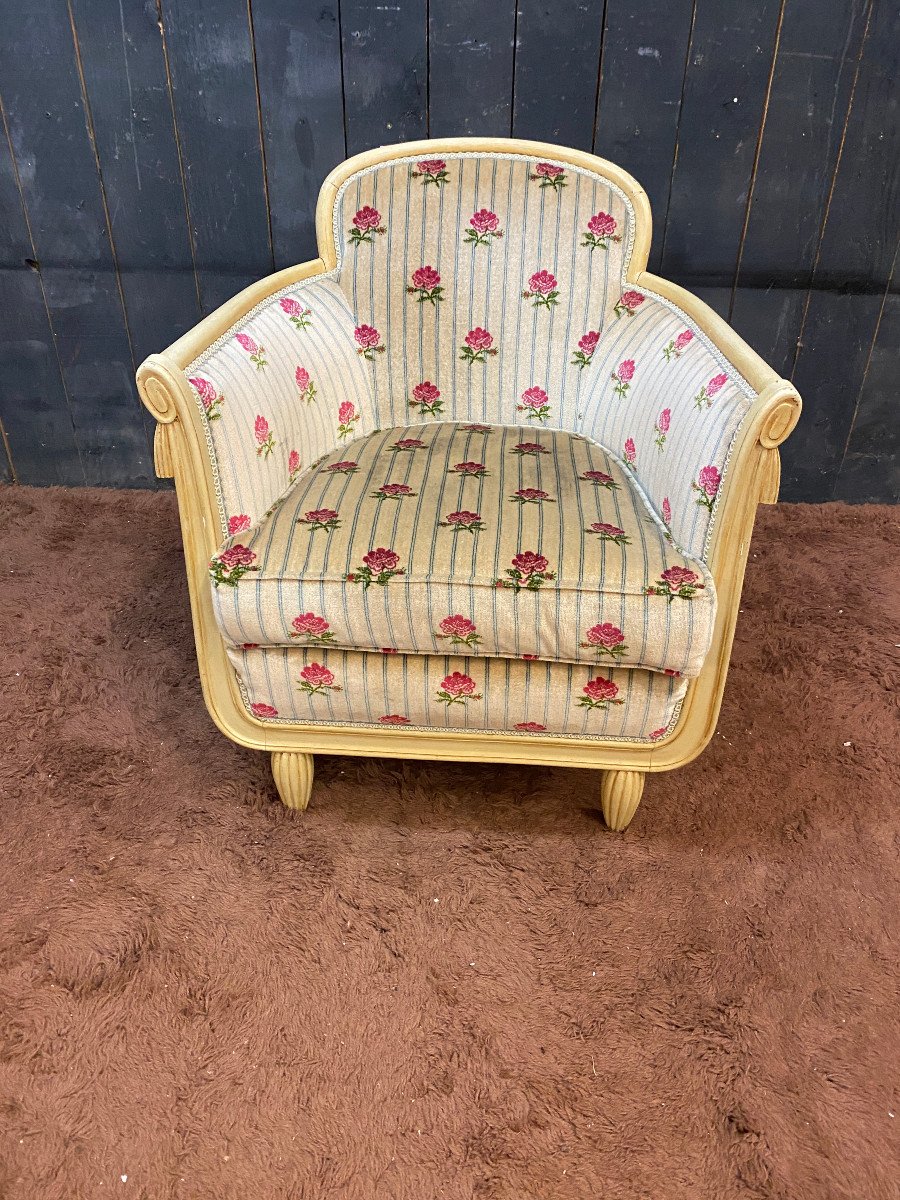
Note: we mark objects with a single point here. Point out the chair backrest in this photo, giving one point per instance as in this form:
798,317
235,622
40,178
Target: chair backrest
477,268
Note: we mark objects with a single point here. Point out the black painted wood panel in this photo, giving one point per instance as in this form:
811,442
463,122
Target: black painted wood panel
298,61
165,153
644,56
557,68
471,51
211,61
58,171
385,57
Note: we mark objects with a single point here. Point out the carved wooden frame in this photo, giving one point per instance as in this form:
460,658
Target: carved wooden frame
180,452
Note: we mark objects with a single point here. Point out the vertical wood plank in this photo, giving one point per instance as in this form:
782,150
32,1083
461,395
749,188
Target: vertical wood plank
385,72
298,61
470,77
34,408
210,54
725,87
125,78
854,266
63,195
556,71
870,470
644,54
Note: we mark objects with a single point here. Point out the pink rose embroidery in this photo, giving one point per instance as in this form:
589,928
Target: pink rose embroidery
476,428
661,428
529,448
659,733
347,418
477,345
426,286
342,468
585,352
209,398
389,650
320,518
427,398
263,711
623,376
530,657
411,444
599,479
666,511
678,345
311,627
238,524
265,443
431,170
535,403
606,639
630,452
706,393
707,486
530,727
483,226
676,583
471,522
393,491
305,385
393,719
231,565
295,312
379,566
609,533
543,289
531,496
627,303
368,339
599,693
457,689
315,680
257,353
549,176
459,631
366,223
529,571
475,469
293,466
601,231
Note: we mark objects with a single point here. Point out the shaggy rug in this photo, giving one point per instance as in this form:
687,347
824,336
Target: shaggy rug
441,981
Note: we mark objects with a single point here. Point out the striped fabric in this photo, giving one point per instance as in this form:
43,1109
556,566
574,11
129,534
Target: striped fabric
505,540
664,399
271,390
339,687
489,282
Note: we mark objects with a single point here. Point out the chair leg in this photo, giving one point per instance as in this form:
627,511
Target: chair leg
620,794
293,777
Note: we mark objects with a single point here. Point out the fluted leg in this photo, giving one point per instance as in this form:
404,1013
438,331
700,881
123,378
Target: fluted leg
293,778
620,794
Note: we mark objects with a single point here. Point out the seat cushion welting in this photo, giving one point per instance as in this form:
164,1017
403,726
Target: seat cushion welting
468,539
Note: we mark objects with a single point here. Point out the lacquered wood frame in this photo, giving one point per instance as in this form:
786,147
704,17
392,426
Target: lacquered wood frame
752,478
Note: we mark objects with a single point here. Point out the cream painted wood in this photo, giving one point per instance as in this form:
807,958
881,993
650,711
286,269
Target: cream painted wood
620,795
752,478
293,774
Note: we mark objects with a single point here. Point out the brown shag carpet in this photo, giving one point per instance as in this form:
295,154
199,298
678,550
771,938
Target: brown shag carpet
441,981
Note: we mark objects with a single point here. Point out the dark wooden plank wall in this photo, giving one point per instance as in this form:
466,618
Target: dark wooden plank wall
157,155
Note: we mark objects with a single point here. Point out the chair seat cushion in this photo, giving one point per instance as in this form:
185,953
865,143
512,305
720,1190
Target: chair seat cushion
482,540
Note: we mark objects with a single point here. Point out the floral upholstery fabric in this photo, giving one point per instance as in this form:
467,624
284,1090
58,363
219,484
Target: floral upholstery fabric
318,685
270,392
501,540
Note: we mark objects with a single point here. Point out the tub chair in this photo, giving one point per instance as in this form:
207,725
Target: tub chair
473,484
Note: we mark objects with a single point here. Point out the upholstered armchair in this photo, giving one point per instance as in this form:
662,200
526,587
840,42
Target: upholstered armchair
472,485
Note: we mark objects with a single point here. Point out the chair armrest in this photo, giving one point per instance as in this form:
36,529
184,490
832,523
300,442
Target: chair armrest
268,383
682,399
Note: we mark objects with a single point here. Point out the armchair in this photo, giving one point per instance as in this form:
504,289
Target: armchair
472,485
